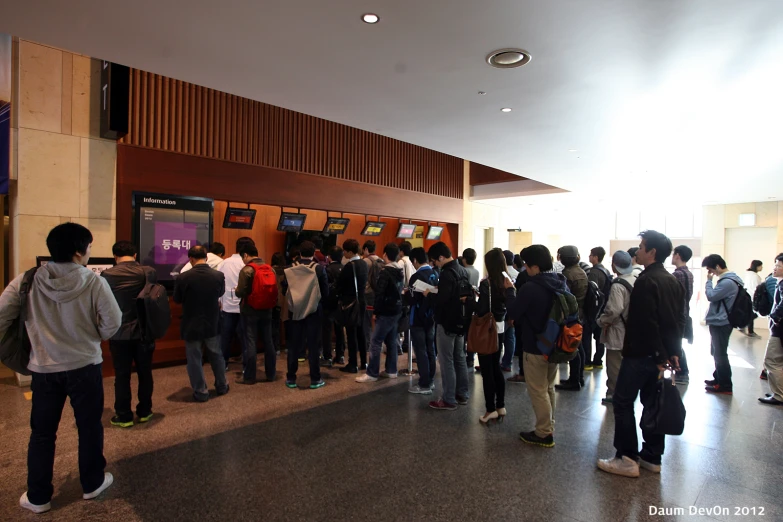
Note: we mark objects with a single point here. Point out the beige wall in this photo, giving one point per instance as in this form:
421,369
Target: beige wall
63,170
718,218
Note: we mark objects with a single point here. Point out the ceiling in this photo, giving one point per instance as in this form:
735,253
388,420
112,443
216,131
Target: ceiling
675,99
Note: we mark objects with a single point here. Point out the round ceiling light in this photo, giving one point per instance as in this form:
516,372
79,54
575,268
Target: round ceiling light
505,109
370,18
508,58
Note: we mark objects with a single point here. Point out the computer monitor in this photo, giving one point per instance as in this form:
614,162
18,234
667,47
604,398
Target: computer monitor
406,231
242,218
434,233
373,228
336,225
291,222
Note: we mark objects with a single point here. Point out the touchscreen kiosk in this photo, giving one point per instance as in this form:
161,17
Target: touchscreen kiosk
291,222
406,231
239,218
336,225
434,233
373,228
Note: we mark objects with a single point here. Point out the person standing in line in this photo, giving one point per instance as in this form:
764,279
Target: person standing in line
127,278
468,259
422,323
330,305
576,279
255,320
682,254
281,310
721,299
387,310
652,345
612,321
350,289
230,317
522,278
215,257
603,279
374,266
70,309
492,299
510,336
773,358
637,267
198,291
449,303
408,270
752,280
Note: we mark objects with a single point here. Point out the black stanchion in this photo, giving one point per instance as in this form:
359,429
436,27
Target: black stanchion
409,371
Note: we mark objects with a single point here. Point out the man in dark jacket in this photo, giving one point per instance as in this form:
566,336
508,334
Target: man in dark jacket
126,280
422,321
387,310
350,287
308,328
680,258
449,303
198,291
333,270
602,278
577,284
254,320
522,278
773,358
530,310
652,343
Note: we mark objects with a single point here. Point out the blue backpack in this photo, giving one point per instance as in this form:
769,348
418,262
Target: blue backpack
561,336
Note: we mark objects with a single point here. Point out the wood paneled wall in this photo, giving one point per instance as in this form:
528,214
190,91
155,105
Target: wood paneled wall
176,116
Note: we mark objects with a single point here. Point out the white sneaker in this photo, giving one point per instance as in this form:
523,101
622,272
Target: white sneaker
108,480
626,467
420,391
388,375
23,502
649,466
366,378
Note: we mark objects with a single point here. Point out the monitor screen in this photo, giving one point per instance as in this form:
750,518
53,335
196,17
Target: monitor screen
406,231
290,222
166,227
336,225
434,233
239,218
373,228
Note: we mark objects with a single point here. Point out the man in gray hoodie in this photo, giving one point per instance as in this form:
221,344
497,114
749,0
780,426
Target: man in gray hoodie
721,298
70,309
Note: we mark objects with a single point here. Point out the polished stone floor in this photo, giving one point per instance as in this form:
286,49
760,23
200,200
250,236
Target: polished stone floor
375,452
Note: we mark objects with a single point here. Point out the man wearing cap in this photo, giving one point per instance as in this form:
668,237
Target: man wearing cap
577,285
614,317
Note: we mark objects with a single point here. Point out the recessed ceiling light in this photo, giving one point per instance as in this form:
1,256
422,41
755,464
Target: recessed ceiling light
508,58
370,18
482,93
572,150
505,109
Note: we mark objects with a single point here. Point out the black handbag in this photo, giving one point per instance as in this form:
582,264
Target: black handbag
664,412
351,314
15,345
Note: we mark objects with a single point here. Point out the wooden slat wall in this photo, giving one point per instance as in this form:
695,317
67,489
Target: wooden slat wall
176,116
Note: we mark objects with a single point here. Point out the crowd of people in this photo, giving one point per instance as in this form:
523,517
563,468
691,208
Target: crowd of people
369,301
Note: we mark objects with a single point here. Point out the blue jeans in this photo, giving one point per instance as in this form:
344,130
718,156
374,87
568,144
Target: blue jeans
453,369
309,330
196,369
424,346
636,375
253,325
231,324
385,331
84,386
510,344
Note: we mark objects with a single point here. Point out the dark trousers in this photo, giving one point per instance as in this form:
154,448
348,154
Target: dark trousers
683,362
636,375
330,325
470,358
84,387
123,355
423,339
254,325
577,364
600,349
719,349
276,328
509,344
231,324
493,379
356,344
367,327
309,330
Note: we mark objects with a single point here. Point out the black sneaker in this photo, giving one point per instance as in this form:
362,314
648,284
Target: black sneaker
349,369
220,393
241,380
710,382
326,363
462,401
568,386
531,438
363,367
338,360
122,423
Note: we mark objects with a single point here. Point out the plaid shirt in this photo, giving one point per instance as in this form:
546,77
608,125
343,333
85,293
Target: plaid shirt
685,278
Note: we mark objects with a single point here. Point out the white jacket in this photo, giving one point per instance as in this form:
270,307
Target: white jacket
615,314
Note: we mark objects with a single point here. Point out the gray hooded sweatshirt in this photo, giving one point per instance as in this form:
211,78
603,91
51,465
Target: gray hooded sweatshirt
70,309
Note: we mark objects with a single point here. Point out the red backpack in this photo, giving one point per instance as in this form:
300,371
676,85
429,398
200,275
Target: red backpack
263,296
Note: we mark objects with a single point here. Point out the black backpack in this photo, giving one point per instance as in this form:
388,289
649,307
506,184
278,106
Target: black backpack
153,310
595,300
15,346
762,304
741,313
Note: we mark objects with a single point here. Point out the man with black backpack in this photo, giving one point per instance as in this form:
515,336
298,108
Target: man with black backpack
651,345
305,286
387,310
330,303
350,296
530,310
257,289
422,322
374,266
599,275
451,304
722,298
577,281
127,279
